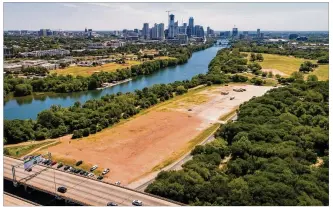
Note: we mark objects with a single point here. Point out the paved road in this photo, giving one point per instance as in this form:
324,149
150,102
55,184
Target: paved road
87,191
12,200
176,165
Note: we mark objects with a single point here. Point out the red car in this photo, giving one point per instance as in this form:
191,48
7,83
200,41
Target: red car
54,162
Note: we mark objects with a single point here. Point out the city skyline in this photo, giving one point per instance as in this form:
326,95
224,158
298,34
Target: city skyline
106,16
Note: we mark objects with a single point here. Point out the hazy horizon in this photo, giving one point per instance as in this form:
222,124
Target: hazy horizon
288,17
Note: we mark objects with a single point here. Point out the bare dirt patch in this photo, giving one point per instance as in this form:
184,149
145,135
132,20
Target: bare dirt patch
215,105
135,147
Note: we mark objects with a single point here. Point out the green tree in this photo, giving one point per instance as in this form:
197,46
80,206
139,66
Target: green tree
253,57
22,90
312,78
260,57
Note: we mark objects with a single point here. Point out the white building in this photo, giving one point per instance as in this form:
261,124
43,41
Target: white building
12,67
40,53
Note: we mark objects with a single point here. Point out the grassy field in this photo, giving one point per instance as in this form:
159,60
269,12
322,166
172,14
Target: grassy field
322,72
289,64
197,140
19,151
87,71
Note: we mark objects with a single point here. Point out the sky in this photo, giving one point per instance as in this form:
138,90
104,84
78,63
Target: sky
118,16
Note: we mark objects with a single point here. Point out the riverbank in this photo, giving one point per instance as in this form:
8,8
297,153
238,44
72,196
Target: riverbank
107,85
29,107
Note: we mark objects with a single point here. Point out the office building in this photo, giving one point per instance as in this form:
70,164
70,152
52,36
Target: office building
234,32
191,26
155,32
45,32
182,39
176,29
258,33
161,31
145,31
171,27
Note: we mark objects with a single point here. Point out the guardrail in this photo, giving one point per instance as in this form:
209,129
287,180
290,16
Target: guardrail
144,193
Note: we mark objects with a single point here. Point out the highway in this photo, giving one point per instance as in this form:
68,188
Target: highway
12,200
84,190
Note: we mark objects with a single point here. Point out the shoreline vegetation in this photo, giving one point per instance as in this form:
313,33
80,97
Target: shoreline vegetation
20,87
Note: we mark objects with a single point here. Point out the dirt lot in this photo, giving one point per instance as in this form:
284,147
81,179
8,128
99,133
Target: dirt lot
134,147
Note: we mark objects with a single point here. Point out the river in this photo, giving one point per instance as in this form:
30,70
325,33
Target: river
28,107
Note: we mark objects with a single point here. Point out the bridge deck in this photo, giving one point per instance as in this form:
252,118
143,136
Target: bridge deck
11,200
81,189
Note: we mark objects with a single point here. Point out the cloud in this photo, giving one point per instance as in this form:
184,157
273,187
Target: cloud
70,5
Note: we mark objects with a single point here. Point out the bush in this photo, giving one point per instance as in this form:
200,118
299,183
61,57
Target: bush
86,132
22,90
180,90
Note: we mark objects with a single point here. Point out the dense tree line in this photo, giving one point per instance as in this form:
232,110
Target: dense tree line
283,49
273,145
65,84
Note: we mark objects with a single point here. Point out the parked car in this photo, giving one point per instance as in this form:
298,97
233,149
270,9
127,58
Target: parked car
90,175
53,163
60,165
100,177
137,203
79,163
117,183
86,173
29,169
82,172
105,171
70,169
93,168
66,167
111,204
77,171
62,189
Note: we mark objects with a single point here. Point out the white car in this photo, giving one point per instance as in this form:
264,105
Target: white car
94,168
117,183
105,171
137,203
91,175
69,169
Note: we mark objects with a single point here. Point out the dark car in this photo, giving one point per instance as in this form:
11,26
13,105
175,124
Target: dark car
77,171
60,165
111,204
62,189
79,163
100,177
66,167
82,172
86,173
45,161
29,169
53,163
